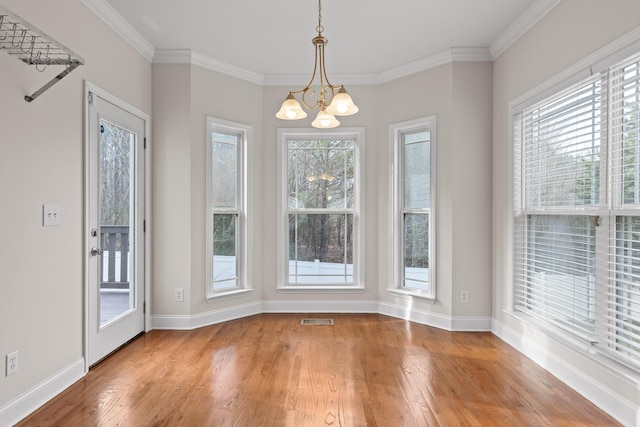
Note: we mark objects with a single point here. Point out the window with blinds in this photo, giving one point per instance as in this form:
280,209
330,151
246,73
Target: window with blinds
577,211
621,293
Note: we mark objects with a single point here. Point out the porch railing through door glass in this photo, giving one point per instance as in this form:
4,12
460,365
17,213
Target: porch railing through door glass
114,272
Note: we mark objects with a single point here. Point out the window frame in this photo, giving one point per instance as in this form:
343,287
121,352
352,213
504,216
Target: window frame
397,131
244,135
356,134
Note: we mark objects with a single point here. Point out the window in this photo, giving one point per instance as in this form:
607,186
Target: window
319,208
226,207
577,211
413,177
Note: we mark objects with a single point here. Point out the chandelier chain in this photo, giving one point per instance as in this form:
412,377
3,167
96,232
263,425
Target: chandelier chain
320,28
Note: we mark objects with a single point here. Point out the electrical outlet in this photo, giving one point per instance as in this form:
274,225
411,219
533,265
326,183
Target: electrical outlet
12,363
464,296
51,215
178,295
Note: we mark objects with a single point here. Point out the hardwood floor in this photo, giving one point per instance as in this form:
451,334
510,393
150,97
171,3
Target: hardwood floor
366,370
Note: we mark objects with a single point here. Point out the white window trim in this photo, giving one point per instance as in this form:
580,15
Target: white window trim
283,134
244,223
395,230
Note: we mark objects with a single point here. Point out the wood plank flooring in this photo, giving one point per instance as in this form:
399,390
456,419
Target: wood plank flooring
366,370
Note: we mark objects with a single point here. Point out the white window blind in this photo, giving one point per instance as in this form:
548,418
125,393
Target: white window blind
577,211
558,165
621,299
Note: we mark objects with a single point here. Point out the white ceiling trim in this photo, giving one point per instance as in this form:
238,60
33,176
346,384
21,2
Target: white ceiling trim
125,30
187,56
521,25
337,79
465,54
172,56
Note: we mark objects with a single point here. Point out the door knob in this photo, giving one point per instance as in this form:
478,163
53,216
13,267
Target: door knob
96,251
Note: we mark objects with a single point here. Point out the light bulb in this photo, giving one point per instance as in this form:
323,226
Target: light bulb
325,120
342,104
290,113
291,109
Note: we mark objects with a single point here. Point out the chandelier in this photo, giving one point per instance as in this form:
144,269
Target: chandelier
331,100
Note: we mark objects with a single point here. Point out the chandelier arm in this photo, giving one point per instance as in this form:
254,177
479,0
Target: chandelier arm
308,89
323,76
312,93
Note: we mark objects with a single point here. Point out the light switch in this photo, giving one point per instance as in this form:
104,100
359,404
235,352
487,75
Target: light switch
50,215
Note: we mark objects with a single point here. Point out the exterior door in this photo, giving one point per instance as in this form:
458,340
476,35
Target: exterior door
115,221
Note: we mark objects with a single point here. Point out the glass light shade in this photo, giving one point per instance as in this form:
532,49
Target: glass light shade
325,120
291,109
342,104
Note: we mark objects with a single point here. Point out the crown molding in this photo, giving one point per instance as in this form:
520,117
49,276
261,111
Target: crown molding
125,30
301,80
521,25
224,68
187,56
184,56
172,56
466,54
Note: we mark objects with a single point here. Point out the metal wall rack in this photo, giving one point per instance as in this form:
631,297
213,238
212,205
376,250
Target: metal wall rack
33,47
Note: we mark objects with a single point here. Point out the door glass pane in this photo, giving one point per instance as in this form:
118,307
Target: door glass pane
116,183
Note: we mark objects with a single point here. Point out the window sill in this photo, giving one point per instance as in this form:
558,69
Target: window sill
321,289
414,294
228,294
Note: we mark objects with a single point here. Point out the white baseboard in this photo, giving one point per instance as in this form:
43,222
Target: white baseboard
459,324
319,306
600,395
205,319
18,408
180,322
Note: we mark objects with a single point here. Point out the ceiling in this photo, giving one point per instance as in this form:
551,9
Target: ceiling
366,37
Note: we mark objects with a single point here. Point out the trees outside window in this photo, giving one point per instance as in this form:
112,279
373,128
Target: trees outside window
227,230
412,212
319,199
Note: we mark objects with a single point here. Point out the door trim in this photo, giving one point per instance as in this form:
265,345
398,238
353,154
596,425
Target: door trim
91,88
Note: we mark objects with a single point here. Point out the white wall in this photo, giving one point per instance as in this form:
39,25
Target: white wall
451,92
570,32
183,96
459,95
41,161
